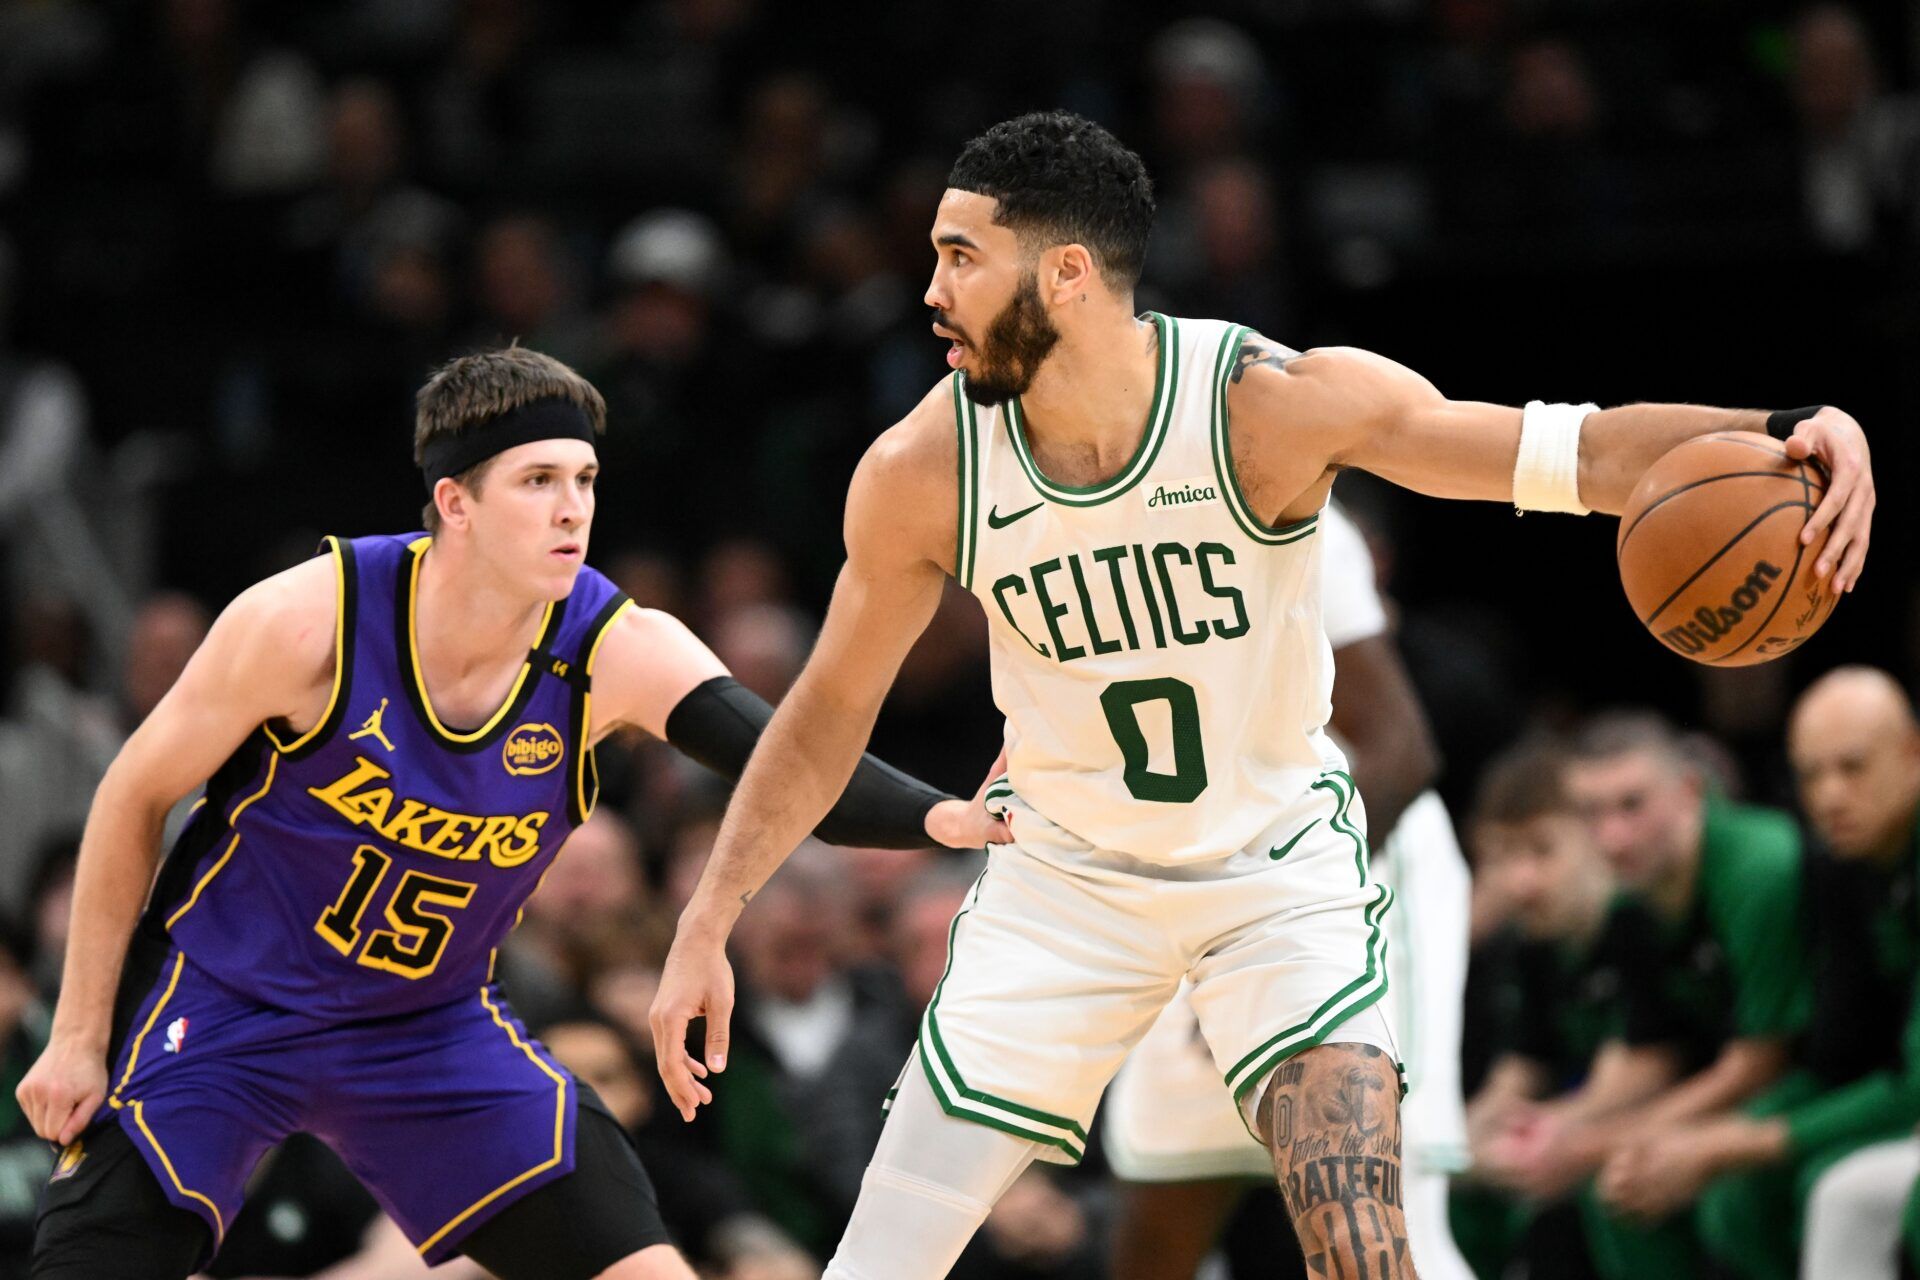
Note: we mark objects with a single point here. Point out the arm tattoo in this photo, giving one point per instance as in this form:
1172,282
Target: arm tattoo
1255,349
1331,1118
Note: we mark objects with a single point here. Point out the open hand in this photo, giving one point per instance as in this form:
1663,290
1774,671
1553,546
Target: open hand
695,982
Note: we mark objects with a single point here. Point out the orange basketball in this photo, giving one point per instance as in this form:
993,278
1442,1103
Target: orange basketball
1710,552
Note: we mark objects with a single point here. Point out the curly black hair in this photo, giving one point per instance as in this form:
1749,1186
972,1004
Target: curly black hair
1063,179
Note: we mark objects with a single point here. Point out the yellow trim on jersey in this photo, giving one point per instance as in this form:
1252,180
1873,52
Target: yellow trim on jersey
273,765
559,1133
340,655
133,1058
219,1223
585,745
417,549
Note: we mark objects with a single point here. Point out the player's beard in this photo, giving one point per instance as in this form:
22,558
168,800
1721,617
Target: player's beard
1017,343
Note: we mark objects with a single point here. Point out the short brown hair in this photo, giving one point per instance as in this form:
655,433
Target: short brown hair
1524,782
1629,731
470,389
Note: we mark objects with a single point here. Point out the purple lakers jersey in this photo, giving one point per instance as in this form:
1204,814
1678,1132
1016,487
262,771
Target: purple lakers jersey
372,865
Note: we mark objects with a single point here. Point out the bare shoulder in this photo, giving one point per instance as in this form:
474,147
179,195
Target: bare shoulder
1334,385
904,499
270,653
647,662
281,632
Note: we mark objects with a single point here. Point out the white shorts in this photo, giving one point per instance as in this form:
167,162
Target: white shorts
1167,1119
1063,955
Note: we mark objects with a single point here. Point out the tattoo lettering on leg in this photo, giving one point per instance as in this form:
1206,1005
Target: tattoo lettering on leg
1332,1125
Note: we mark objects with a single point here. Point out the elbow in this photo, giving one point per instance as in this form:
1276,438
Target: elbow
125,794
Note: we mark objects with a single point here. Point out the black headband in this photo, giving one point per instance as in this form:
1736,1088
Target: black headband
554,419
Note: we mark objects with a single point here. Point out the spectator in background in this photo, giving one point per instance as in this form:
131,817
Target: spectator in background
526,292
736,574
1712,1003
1550,93
764,645
250,116
816,1046
345,223
1243,272
1855,748
878,879
707,1204
57,737
677,392
922,924
1859,144
791,143
1210,97
593,899
167,629
1038,1228
473,104
49,911
1556,984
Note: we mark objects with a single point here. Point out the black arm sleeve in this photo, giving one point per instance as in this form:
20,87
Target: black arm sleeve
882,808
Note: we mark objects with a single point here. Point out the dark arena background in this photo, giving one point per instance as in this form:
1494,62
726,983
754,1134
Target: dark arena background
235,237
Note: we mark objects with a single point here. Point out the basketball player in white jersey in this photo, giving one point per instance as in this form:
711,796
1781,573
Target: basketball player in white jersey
1171,1133
1135,499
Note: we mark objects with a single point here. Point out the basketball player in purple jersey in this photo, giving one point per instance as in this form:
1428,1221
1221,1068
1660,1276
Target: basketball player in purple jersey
395,739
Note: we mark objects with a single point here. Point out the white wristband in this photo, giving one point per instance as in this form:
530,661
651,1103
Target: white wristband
1546,472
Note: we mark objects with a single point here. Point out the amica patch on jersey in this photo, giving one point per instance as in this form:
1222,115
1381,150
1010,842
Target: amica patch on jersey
532,749
1193,492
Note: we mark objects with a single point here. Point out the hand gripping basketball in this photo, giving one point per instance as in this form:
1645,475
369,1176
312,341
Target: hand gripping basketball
696,982
1834,440
1727,544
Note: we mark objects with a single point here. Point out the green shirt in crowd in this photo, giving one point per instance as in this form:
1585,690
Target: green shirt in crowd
1865,1041
1732,966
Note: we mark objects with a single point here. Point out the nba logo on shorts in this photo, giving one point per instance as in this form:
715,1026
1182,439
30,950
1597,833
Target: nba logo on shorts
176,1034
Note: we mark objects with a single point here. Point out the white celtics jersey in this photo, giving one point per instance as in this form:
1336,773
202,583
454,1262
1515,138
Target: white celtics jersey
1157,650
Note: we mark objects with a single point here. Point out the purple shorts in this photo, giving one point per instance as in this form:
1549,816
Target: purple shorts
447,1115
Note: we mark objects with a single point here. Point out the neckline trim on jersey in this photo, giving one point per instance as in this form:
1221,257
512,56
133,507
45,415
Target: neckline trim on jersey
1166,386
414,681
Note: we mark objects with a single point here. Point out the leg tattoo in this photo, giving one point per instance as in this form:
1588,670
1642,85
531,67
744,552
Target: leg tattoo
1331,1119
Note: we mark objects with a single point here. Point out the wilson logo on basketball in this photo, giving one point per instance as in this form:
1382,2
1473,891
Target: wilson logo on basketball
532,749
1709,625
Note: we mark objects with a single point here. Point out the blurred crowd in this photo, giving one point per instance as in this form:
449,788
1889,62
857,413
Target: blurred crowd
234,237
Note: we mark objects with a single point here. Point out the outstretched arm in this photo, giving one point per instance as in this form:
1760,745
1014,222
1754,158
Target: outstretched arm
1351,408
899,525
269,656
654,674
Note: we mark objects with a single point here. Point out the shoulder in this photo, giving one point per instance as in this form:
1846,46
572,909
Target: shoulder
904,499
293,612
1344,384
273,647
922,448
634,632
646,662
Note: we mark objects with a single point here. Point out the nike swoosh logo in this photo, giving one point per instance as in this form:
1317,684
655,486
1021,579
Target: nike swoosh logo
997,521
1280,851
